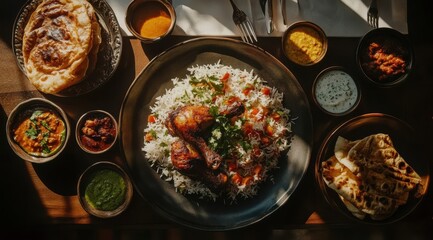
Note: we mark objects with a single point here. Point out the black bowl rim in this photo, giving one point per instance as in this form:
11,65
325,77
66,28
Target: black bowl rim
386,31
84,178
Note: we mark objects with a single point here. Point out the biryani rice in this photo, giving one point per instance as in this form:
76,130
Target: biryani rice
260,101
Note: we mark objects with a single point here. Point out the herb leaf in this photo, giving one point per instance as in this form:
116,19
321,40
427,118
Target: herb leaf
32,133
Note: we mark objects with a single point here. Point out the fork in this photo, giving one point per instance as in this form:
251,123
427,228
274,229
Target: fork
244,24
372,15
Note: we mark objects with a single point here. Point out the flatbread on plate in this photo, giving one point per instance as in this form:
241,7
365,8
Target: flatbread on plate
370,176
57,41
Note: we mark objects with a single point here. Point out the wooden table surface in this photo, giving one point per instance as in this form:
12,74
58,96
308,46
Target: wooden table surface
45,194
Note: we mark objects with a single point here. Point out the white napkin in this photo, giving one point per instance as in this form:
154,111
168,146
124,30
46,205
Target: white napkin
341,18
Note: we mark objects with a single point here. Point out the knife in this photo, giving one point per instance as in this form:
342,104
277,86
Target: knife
283,11
267,10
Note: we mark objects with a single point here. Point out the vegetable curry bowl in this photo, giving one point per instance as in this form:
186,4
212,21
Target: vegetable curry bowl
38,130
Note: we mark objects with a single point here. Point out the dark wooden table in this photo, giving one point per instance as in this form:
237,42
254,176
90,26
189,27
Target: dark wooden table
44,195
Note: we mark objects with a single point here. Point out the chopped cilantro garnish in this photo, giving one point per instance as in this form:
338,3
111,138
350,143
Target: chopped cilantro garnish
45,124
226,136
32,133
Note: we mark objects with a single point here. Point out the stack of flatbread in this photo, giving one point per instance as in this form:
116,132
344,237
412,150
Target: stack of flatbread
60,44
370,176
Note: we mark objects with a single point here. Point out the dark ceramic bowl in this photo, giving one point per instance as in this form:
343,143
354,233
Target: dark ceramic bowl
405,141
385,42
23,112
86,142
139,8
311,31
336,81
90,178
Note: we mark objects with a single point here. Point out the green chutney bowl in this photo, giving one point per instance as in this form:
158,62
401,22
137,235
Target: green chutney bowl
104,190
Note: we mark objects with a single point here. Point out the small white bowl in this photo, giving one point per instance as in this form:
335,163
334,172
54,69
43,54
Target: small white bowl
336,92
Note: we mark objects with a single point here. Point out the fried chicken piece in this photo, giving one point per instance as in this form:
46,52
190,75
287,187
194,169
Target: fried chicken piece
189,162
189,123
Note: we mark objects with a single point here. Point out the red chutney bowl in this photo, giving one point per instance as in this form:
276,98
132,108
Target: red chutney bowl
96,131
385,57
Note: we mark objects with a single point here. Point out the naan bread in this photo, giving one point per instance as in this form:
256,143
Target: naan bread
352,189
57,42
355,211
370,176
377,153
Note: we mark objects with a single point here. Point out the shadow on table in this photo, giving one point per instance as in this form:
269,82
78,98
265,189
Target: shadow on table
16,186
8,13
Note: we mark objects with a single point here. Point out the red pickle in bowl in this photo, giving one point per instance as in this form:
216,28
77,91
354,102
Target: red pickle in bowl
96,131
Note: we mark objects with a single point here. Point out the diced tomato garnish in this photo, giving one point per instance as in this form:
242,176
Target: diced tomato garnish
148,137
269,130
151,119
247,181
232,166
232,99
247,89
257,170
254,111
237,179
266,91
265,140
276,116
248,128
225,77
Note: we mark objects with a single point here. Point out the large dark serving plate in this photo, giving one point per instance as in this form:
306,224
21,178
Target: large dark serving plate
109,52
156,78
405,142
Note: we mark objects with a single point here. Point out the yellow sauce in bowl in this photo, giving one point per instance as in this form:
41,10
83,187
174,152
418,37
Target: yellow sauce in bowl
151,20
304,45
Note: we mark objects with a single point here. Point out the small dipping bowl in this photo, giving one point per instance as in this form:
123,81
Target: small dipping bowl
96,131
104,189
304,43
37,130
150,20
385,57
336,92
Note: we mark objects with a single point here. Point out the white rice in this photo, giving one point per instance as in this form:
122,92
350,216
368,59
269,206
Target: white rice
184,93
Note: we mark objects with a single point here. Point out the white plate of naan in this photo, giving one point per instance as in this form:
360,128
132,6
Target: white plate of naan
364,167
51,72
